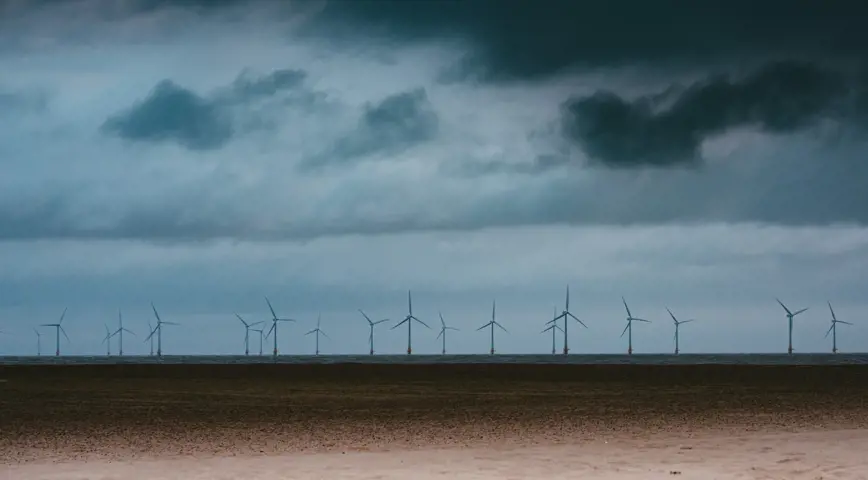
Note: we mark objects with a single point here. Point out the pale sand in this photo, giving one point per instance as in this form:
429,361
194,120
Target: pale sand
831,454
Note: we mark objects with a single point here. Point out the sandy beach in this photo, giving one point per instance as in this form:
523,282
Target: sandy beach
464,421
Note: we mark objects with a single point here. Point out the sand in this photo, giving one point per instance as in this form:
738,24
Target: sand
469,421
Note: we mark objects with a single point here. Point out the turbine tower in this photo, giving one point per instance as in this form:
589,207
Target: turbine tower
442,333
790,316
372,324
318,331
247,334
833,329
107,341
629,327
159,331
38,342
566,315
261,334
120,333
553,326
274,321
677,324
409,319
58,328
151,337
491,325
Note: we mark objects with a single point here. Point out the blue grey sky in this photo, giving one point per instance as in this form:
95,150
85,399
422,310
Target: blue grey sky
333,155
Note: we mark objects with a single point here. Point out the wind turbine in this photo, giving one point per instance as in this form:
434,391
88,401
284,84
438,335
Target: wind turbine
833,330
442,333
372,324
151,337
38,343
261,334
247,334
58,327
790,316
159,331
317,331
120,333
677,324
409,321
629,327
566,315
491,325
107,341
274,321
553,326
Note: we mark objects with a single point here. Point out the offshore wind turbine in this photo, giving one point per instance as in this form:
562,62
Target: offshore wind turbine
491,325
442,333
261,334
629,327
274,321
409,319
833,329
318,331
554,327
159,331
790,316
120,333
677,324
107,341
372,324
247,334
58,328
38,342
566,315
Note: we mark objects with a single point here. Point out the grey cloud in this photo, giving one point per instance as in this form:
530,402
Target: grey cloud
519,40
781,97
22,101
396,123
173,113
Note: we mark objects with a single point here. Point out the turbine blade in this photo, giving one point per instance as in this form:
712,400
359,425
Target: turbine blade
62,315
255,323
128,331
273,326
324,334
671,315
625,306
501,327
273,315
641,320
687,321
625,329
379,321
784,306
842,321
453,328
242,320
441,333
366,316
829,331
547,329
577,319
63,332
484,326
442,322
833,312
400,323
800,311
312,331
170,323
420,321
559,328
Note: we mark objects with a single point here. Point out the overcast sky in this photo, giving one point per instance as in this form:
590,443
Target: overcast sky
705,156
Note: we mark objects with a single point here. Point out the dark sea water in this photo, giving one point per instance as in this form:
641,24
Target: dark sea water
649,359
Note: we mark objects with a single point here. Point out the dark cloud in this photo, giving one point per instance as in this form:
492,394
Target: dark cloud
172,113
518,39
396,123
668,129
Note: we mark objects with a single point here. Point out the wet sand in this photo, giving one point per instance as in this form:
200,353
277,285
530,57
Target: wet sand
469,421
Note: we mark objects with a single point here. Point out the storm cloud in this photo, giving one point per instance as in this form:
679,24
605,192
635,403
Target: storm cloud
668,128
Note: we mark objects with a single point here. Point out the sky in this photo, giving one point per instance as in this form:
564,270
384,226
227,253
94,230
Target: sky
708,157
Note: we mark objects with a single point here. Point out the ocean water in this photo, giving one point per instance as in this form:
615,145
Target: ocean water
578,359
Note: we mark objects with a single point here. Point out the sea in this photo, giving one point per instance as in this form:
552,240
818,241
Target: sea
530,359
